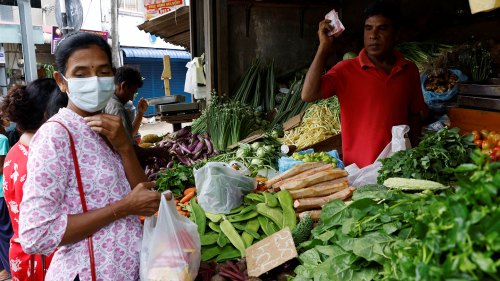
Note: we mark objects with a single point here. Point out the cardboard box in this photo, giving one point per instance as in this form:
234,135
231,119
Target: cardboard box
293,122
255,135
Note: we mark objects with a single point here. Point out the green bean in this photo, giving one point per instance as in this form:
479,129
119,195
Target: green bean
247,230
233,236
228,255
255,197
215,227
208,239
263,224
270,200
236,210
199,216
289,217
244,217
210,253
275,228
271,213
213,217
222,240
253,225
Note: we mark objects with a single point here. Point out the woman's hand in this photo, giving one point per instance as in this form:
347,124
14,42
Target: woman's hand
141,201
111,127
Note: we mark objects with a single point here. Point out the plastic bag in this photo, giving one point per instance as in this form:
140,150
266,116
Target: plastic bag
286,163
431,96
221,188
368,175
171,247
338,27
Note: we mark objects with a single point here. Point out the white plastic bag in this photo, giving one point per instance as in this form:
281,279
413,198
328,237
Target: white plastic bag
221,188
368,175
171,247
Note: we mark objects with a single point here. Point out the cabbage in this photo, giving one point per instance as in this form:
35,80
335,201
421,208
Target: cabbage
256,145
349,55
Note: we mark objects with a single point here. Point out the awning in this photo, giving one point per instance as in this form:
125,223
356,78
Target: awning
155,53
172,27
11,33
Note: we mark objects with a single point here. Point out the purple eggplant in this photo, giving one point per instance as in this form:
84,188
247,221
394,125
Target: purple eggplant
162,144
209,146
198,148
197,155
170,164
200,138
146,171
168,144
157,167
174,147
183,161
163,163
206,135
184,131
153,176
205,156
216,152
193,145
185,149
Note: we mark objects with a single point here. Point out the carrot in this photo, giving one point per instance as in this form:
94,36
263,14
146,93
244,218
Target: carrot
295,170
189,190
188,197
184,213
305,174
156,215
235,167
318,191
314,203
179,208
315,214
261,179
313,179
177,201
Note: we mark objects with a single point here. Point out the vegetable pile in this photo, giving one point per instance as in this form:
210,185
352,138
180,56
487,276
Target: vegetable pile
421,51
488,142
315,157
184,148
436,152
441,83
320,122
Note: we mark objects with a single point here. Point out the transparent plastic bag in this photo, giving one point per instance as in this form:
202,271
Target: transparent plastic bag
221,188
286,163
368,175
171,248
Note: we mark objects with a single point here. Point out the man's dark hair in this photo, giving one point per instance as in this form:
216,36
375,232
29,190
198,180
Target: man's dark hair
128,74
387,10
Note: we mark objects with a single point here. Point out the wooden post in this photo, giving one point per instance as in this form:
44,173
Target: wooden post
222,48
210,60
167,74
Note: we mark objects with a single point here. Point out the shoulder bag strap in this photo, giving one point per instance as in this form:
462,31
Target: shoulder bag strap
82,197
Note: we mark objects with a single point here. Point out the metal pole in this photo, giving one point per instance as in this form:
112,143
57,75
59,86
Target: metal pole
27,40
115,44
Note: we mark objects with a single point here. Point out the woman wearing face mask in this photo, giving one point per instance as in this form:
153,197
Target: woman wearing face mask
81,167
29,106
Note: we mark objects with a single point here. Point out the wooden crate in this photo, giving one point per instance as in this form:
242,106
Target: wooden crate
329,144
471,119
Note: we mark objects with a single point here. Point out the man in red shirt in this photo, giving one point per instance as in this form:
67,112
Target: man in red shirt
377,90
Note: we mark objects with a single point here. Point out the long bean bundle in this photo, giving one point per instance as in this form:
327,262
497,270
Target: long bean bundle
421,51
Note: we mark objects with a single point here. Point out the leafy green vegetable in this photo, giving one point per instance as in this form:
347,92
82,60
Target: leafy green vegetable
177,179
429,161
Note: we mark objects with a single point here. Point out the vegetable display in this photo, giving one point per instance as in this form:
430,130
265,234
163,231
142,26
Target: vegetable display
185,148
429,160
441,83
421,51
315,157
292,104
320,122
488,142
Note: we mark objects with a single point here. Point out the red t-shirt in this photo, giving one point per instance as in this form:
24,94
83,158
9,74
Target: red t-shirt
371,103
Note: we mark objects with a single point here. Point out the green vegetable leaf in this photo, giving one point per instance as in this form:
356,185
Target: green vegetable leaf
371,246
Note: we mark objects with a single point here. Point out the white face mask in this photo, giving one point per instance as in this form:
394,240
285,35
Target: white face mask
90,94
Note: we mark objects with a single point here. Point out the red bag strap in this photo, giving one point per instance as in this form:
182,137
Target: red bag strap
82,197
32,268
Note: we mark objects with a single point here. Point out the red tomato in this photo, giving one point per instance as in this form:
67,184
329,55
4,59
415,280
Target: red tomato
487,144
496,149
477,135
491,134
479,143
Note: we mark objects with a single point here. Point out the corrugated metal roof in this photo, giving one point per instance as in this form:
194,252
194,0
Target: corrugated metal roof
172,27
155,53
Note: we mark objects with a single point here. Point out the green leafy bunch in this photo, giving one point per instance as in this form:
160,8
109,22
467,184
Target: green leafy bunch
429,160
177,179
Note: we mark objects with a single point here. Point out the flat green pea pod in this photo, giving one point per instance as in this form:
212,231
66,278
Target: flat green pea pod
271,213
228,255
211,233
255,197
247,230
263,236
209,239
215,227
247,209
236,210
222,240
244,217
214,251
233,236
274,228
270,200
199,216
263,221
213,217
254,225
289,217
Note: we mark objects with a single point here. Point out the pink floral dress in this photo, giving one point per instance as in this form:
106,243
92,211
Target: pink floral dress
51,194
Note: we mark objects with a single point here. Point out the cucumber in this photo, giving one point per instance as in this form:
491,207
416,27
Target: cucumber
289,217
270,200
271,213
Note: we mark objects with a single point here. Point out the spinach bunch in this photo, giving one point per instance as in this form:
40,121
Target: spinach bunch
429,160
177,178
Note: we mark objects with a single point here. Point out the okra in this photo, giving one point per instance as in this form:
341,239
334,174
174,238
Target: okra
199,216
213,217
289,217
243,217
270,200
271,213
263,224
253,225
215,227
209,239
236,210
233,236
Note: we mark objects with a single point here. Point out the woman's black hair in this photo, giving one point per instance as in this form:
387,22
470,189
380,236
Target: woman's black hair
27,105
387,9
57,101
78,41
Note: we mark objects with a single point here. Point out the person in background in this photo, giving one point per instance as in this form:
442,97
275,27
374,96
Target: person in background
29,106
82,157
377,90
12,133
6,230
127,81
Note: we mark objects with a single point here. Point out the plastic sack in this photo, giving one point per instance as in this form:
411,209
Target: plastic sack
195,79
368,175
338,27
221,188
431,96
171,247
286,163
